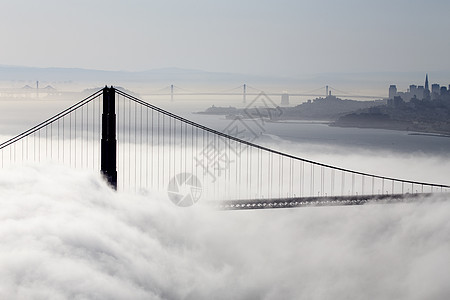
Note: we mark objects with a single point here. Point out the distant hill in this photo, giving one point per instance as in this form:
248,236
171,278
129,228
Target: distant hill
328,108
166,75
416,115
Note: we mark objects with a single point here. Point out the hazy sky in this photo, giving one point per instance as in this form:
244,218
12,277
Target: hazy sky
256,37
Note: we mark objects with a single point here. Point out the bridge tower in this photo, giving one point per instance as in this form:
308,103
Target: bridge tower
108,142
244,94
171,92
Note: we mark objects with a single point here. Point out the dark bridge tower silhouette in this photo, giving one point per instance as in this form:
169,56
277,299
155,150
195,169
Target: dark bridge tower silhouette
108,142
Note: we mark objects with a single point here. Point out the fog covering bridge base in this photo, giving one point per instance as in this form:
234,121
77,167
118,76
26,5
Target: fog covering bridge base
139,147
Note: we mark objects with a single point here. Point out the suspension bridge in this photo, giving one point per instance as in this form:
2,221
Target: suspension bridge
245,90
140,147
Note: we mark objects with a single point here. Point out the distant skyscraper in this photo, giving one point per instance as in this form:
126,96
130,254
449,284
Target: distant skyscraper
420,91
413,91
392,91
285,99
435,91
426,92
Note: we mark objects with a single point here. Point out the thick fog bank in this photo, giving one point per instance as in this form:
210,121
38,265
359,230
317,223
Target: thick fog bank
65,234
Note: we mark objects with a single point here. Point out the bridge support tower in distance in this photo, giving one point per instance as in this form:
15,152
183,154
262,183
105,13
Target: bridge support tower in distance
171,92
244,94
109,142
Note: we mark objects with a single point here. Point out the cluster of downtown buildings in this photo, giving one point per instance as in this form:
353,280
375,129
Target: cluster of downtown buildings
418,93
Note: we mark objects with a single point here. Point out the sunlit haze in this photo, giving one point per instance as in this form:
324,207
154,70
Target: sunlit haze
282,38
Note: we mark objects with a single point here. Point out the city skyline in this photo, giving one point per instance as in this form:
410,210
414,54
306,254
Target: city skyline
420,91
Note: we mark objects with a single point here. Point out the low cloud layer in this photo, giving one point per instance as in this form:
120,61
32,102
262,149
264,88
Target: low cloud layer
65,234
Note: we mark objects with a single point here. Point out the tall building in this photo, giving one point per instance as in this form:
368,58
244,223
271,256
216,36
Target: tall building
420,91
426,92
392,91
413,91
285,99
435,91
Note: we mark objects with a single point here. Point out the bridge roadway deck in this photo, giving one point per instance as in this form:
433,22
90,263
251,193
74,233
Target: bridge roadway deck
271,203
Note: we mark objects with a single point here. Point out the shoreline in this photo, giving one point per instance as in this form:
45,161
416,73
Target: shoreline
401,126
410,131
446,135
